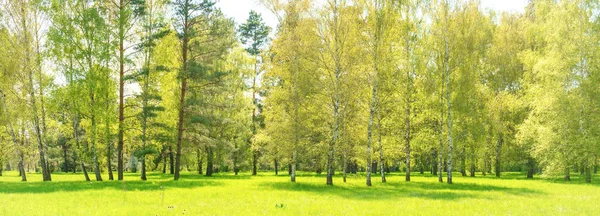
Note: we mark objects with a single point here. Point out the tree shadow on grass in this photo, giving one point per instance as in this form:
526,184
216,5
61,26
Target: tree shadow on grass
425,190
153,183
576,178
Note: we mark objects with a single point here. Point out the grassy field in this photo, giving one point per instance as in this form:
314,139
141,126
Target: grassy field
225,194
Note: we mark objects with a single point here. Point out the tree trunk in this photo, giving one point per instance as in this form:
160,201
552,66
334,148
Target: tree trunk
171,161
109,163
371,116
254,161
85,173
588,173
76,135
209,161
498,148
293,166
94,153
407,131
276,167
38,133
441,138
434,169
449,104
530,167
473,163
164,169
463,164
121,37
345,167
381,159
65,161
567,174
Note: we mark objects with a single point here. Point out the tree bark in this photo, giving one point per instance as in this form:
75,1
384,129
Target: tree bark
381,159
94,153
120,143
209,161
498,151
171,161
254,162
530,167
276,167
448,103
588,173
180,128
65,160
76,135
567,174
345,166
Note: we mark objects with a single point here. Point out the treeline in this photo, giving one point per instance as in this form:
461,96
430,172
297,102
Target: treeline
354,86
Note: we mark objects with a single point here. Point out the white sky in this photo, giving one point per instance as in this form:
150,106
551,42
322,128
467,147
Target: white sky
239,9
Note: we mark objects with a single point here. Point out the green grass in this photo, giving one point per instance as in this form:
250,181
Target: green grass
226,194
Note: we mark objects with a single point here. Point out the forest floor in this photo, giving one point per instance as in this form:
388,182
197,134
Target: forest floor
226,194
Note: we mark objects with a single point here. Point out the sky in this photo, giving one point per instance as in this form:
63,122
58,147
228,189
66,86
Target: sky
239,9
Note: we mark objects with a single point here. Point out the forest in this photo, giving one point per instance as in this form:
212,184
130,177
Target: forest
107,88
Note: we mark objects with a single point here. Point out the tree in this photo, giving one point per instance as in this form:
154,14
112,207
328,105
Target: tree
254,33
200,25
25,17
126,13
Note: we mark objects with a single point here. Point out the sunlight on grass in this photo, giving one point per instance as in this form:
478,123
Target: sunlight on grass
226,194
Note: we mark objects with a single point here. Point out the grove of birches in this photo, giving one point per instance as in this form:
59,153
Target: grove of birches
103,87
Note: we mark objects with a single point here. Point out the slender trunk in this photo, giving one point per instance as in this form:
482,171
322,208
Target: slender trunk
209,161
38,62
94,153
463,164
254,162
235,158
473,162
441,134
407,122
85,173
330,159
171,161
370,126
276,167
121,90
164,169
36,123
449,120
38,133
180,128
76,135
21,167
434,169
381,159
498,148
588,173
293,167
254,114
65,161
345,166
199,161
144,128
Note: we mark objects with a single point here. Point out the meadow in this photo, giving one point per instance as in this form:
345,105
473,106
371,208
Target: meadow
227,194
